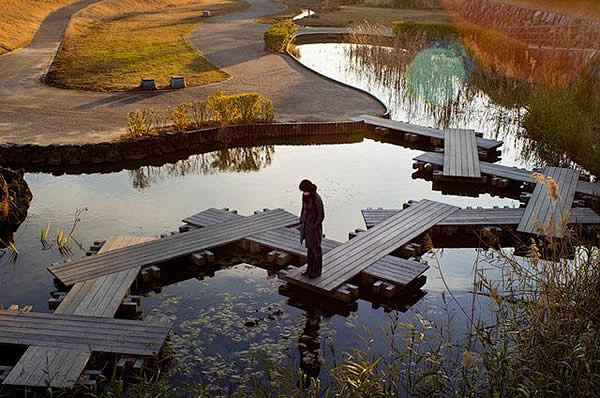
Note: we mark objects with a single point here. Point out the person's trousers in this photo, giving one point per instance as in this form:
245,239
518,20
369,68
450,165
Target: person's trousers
314,258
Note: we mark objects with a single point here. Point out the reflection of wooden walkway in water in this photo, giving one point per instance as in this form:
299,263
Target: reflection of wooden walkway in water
99,297
544,214
510,173
346,261
431,133
170,248
397,272
461,159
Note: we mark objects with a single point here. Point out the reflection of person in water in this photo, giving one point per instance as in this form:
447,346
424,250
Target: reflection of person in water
311,227
309,346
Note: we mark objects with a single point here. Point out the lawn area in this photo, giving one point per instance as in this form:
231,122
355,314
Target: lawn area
111,45
21,19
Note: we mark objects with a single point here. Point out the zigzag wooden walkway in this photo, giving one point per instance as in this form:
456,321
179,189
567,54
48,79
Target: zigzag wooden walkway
510,173
101,297
170,248
500,216
543,214
391,269
483,143
348,260
461,159
83,333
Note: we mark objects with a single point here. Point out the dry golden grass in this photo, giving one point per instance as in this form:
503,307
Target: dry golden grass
578,8
20,19
346,16
111,45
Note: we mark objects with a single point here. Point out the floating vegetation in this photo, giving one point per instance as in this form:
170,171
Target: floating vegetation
222,343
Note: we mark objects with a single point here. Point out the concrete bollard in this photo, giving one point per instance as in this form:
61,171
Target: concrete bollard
148,84
177,82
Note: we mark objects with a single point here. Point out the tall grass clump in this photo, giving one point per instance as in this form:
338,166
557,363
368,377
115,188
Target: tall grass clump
565,121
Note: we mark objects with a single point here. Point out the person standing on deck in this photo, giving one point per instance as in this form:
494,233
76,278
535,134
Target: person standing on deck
311,227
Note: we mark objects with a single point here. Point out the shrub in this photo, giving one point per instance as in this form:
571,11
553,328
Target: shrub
141,123
243,108
278,35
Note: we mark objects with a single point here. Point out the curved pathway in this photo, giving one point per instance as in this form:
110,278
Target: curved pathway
31,112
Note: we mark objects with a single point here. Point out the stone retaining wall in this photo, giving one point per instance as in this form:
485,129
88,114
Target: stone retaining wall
43,157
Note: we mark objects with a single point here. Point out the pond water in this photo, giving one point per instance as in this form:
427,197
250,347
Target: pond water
227,322
433,89
153,200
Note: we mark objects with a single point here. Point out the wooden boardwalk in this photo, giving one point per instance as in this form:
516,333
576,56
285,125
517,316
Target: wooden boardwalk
390,268
543,214
346,261
99,297
510,217
83,333
510,173
102,296
148,253
483,143
461,159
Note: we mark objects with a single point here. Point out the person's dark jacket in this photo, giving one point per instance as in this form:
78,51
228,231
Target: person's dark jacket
311,220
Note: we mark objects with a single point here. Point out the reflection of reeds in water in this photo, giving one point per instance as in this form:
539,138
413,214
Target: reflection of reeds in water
231,160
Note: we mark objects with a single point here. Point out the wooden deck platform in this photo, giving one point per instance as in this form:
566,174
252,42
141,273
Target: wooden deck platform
82,333
461,159
102,296
511,173
148,253
500,216
438,134
543,214
391,269
99,297
346,261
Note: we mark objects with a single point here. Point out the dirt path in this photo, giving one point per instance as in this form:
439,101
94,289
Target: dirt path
31,112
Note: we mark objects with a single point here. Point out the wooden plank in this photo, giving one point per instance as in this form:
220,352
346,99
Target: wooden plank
170,248
542,210
400,271
500,216
30,370
483,143
82,333
42,366
461,158
348,260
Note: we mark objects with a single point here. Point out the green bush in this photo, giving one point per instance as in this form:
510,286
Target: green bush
278,35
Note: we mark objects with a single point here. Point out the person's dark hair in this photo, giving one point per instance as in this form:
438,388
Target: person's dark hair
307,186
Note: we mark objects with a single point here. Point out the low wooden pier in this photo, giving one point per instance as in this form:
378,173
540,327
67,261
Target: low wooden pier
347,261
148,253
504,178
461,160
384,278
544,214
414,134
487,227
92,303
